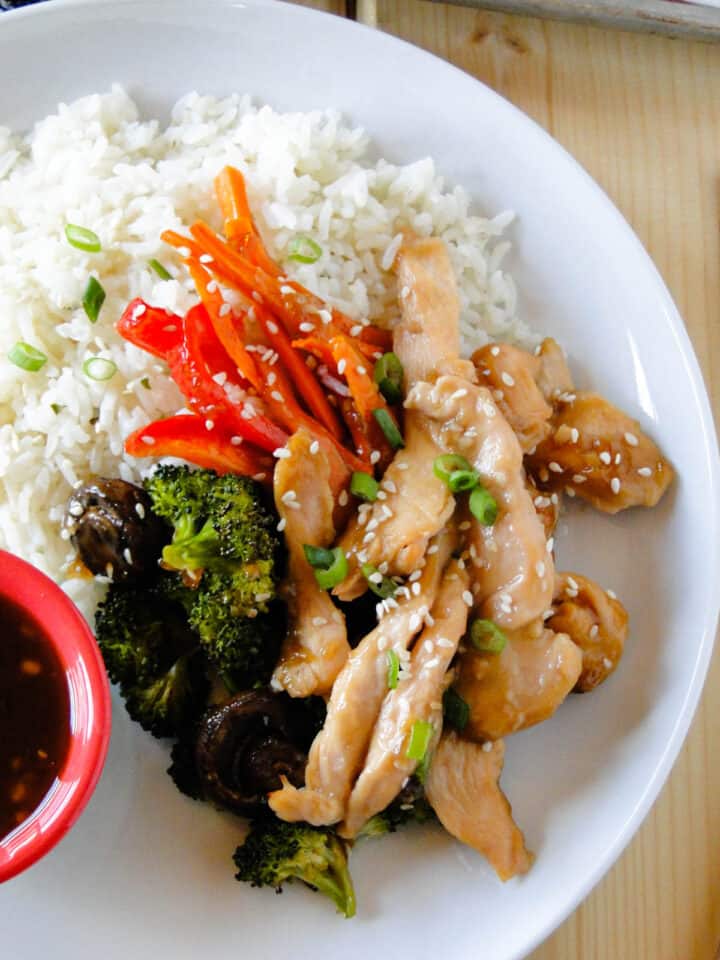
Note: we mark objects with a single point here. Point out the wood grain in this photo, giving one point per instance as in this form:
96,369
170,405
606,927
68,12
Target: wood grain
642,114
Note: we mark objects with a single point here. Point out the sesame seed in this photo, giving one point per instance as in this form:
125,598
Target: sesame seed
375,456
444,643
343,498
615,485
375,577
571,593
389,486
224,310
281,526
383,567
236,441
140,510
259,477
405,292
645,471
381,495
373,524
570,492
404,592
414,622
314,447
307,327
605,457
541,502
631,439
618,458
288,496
433,548
611,594
319,621
285,290
432,663
356,330
148,440
220,378
386,511
468,598
127,556
579,478
294,505
415,575
272,327
550,544
495,351
362,371
594,631
209,424
139,310
607,663
459,394
76,509
205,258
276,395
487,746
362,556
281,453
540,568
572,583
507,379
212,286
430,620
574,435
325,316
498,394
554,499
428,646
368,537
415,589
401,466
555,466
341,366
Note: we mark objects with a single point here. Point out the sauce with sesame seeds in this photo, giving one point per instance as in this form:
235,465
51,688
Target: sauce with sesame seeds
34,715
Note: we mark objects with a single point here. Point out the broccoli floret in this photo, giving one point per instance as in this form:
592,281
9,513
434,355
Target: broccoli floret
276,852
183,768
151,652
410,806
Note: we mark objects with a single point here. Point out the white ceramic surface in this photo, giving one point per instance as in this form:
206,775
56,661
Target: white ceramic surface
146,873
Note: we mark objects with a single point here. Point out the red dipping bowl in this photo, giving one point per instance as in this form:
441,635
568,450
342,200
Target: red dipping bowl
89,718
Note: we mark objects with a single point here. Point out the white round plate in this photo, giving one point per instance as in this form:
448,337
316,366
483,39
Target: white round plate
146,873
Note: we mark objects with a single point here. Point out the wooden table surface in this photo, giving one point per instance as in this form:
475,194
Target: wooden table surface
642,114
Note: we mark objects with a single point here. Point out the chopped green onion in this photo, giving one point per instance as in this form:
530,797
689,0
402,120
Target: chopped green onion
26,357
98,368
387,425
393,670
456,472
383,587
93,299
487,637
388,375
330,566
145,382
82,238
56,407
303,249
483,506
420,737
159,269
455,709
364,486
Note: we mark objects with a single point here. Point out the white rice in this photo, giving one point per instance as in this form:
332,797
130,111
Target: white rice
97,164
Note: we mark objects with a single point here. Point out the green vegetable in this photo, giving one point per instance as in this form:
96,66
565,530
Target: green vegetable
483,506
393,669
387,425
26,357
82,238
303,249
159,269
150,651
364,486
56,407
98,368
224,541
145,382
384,587
276,852
93,299
410,806
420,737
388,375
487,637
330,566
456,472
455,710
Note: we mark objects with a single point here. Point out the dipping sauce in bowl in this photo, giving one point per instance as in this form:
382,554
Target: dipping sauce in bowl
34,715
54,714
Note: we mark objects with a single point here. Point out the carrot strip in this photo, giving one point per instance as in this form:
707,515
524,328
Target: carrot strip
185,246
318,348
305,382
352,366
240,227
222,321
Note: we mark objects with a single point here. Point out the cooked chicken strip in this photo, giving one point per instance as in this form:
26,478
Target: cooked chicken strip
553,377
596,622
427,337
464,791
600,454
315,648
338,751
511,374
519,687
513,571
417,697
398,528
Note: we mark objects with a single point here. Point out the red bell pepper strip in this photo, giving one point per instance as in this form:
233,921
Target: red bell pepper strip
150,328
240,228
223,322
186,436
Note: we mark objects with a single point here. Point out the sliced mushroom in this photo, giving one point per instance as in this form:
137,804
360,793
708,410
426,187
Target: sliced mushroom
113,529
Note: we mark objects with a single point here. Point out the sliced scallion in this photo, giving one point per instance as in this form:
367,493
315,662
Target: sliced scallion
145,382
487,637
420,737
393,670
93,299
330,566
27,357
98,368
388,375
483,506
364,486
56,407
455,710
159,269
381,586
387,425
82,239
456,472
303,249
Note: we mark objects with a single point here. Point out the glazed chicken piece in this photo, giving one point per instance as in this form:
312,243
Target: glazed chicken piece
513,573
338,751
397,528
464,791
511,375
596,622
315,648
600,454
417,697
519,687
553,375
